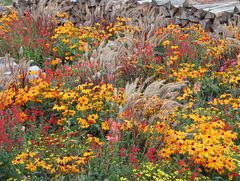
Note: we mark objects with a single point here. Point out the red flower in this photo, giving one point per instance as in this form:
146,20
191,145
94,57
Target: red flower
133,154
46,128
182,163
151,154
122,152
194,175
8,124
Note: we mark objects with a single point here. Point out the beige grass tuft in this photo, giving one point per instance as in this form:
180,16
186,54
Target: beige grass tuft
158,95
10,71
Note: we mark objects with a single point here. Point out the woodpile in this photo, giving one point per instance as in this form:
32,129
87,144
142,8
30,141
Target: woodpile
90,11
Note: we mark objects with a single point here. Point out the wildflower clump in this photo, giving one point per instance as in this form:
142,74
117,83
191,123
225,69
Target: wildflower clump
71,42
26,35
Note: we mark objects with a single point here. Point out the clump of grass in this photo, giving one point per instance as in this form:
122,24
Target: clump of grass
10,72
152,94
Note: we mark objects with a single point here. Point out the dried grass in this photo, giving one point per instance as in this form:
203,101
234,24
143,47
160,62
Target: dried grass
143,15
45,10
154,95
10,71
112,56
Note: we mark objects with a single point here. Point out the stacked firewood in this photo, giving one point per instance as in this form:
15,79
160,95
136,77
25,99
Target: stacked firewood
91,11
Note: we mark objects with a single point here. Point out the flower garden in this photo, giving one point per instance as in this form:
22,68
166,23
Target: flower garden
111,104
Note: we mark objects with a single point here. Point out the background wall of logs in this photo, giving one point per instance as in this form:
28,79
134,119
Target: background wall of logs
90,11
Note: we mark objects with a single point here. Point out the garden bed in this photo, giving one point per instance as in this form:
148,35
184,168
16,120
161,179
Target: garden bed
116,100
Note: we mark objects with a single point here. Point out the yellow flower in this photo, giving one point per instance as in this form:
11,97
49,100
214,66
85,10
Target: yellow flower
55,49
174,47
70,113
31,167
55,61
171,27
39,162
83,123
66,41
62,160
62,15
93,139
81,160
48,167
83,100
215,163
22,156
87,154
18,161
23,116
74,169
166,43
81,107
231,135
72,46
174,58
31,154
92,118
104,125
59,107
69,96
234,79
126,125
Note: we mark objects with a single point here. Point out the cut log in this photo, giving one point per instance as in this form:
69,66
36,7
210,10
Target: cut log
210,15
82,11
156,10
154,3
184,22
168,5
206,24
184,15
172,11
187,4
200,13
165,22
73,19
194,9
190,24
177,21
93,3
163,11
215,24
179,11
236,20
226,16
189,12
193,19
236,10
